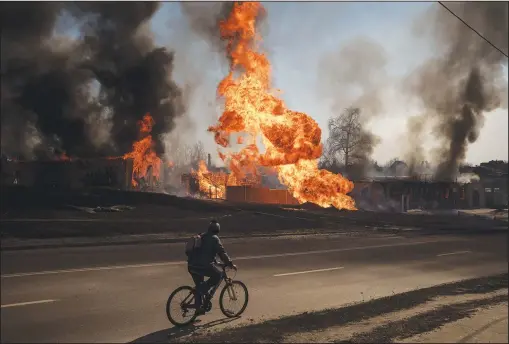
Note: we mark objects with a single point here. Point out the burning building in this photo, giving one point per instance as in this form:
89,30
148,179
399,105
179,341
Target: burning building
219,183
212,182
134,78
77,174
69,174
140,169
224,185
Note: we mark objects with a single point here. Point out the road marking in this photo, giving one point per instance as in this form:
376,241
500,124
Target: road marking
114,267
308,272
27,303
284,217
277,255
451,253
107,220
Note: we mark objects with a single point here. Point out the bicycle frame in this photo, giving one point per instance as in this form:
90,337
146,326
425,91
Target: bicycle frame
228,281
225,278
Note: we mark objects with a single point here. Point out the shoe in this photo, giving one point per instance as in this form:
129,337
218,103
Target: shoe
200,311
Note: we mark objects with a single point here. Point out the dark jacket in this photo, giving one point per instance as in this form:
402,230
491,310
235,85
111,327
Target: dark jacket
211,247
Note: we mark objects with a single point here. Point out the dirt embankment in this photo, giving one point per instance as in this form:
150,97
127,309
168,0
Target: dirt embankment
32,213
394,318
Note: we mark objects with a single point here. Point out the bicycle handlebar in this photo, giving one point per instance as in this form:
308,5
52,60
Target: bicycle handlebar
224,266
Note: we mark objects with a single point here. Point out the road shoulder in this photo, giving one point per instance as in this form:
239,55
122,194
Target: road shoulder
488,325
434,314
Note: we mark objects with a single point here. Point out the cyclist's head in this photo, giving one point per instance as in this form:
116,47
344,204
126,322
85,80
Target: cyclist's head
214,227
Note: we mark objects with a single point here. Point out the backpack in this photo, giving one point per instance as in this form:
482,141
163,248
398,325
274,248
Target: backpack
193,244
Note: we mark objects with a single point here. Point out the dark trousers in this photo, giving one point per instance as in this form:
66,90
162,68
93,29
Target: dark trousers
198,273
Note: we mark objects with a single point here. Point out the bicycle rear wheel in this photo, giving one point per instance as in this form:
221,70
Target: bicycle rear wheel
180,308
233,299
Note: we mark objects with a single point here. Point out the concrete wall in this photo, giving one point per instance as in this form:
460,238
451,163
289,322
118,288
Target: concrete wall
495,190
475,195
259,195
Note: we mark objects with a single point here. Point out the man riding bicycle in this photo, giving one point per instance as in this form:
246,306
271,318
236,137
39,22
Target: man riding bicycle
201,263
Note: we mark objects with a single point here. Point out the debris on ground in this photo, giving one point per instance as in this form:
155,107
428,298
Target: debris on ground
102,209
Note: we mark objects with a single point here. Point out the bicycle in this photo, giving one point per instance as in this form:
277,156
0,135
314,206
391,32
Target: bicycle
187,306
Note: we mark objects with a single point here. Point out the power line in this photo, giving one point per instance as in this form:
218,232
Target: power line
471,28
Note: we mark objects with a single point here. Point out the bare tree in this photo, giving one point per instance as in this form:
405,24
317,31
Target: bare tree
391,162
197,154
348,144
185,156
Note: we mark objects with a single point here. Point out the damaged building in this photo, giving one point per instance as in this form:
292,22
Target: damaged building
493,177
221,185
394,191
402,194
476,187
76,174
218,183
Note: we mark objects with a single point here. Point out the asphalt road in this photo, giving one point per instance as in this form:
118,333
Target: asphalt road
118,294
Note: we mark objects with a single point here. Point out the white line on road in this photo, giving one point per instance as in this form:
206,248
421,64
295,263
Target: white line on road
451,253
308,272
107,220
100,268
338,250
27,303
277,255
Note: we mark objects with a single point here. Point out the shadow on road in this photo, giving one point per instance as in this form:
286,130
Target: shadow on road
174,333
278,329
424,322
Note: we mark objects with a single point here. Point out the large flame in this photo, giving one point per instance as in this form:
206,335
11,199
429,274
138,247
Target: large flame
291,139
143,153
211,184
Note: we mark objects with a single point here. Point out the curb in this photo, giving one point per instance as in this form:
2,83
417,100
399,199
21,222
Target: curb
153,241
454,230
448,230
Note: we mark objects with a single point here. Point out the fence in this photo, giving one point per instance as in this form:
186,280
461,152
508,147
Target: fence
259,195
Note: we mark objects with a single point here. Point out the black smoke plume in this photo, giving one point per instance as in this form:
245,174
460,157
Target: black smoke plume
466,80
49,80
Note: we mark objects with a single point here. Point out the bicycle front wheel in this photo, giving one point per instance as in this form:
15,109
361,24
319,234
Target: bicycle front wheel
233,299
180,308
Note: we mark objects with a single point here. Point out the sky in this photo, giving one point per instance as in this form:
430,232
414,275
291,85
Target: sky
297,36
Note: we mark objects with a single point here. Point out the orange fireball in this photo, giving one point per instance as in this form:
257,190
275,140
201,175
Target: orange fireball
291,139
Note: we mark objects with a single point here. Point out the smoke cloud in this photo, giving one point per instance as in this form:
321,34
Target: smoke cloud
414,153
82,95
354,77
196,67
465,81
204,18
